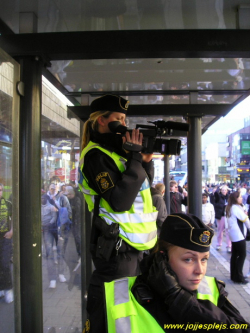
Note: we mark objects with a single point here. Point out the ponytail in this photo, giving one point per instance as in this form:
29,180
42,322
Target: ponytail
92,125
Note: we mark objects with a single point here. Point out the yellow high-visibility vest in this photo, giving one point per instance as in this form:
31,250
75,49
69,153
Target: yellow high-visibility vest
137,225
126,315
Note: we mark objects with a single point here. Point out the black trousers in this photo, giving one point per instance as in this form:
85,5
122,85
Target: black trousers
5,265
125,264
96,321
237,260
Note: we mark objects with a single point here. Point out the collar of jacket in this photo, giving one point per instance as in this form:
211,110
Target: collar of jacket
109,141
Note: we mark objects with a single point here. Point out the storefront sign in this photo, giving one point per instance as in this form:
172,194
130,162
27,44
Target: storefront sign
73,174
60,173
245,147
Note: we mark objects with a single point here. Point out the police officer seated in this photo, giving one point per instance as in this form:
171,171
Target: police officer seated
173,289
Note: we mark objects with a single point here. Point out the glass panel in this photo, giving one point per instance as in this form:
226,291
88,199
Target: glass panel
79,15
8,215
156,81
225,149
62,206
217,99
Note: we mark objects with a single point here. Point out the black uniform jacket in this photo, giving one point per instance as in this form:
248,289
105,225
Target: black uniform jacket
123,187
195,312
120,193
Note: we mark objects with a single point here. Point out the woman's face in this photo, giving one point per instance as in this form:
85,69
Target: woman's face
239,200
224,190
115,116
189,266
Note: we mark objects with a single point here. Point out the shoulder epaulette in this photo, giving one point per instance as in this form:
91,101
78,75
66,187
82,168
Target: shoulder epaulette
221,282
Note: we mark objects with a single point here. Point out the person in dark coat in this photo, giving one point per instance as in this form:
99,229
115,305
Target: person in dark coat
176,198
76,206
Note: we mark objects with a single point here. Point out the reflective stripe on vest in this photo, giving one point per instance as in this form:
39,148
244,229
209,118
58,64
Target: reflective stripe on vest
208,290
138,225
126,315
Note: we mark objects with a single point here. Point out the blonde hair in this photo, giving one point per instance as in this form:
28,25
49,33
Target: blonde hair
92,123
162,245
160,187
172,183
224,187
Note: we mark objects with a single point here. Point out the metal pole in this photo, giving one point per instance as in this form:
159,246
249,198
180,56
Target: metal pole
166,182
194,166
30,194
88,223
83,264
84,251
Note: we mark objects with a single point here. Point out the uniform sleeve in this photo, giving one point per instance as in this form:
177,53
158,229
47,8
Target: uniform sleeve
187,310
149,168
206,313
119,189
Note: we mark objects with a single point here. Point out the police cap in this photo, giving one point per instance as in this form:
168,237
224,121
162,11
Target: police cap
187,231
111,103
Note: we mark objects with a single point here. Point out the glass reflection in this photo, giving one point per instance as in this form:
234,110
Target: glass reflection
61,218
6,226
156,81
92,15
6,233
97,15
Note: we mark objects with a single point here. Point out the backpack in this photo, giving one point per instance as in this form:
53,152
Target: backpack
63,215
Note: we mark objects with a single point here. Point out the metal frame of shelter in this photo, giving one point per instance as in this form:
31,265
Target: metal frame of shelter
34,53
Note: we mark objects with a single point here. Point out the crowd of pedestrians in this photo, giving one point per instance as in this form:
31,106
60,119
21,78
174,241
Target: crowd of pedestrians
231,218
215,199
61,215
6,233
224,208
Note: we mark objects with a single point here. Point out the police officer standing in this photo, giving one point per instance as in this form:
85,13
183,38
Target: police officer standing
115,179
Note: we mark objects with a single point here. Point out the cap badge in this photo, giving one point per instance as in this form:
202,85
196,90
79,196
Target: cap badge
126,105
205,236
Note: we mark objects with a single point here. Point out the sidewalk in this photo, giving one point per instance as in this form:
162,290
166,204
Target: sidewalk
219,267
62,305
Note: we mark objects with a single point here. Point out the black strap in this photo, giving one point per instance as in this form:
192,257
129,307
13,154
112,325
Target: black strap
97,203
